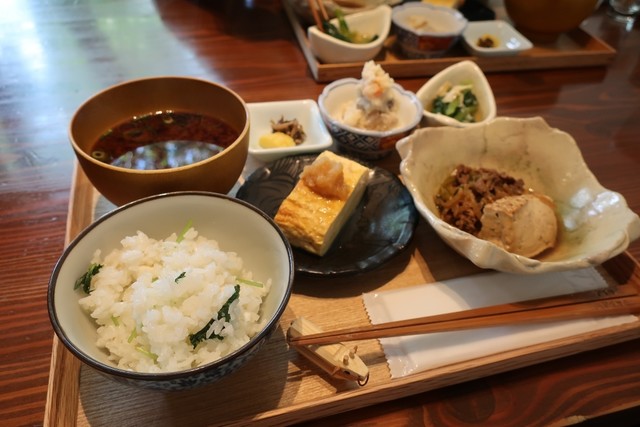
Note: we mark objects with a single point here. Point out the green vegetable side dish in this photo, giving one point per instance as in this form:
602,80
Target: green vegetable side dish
458,102
342,31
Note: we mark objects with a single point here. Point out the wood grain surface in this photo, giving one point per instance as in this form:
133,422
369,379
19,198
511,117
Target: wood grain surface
576,48
55,54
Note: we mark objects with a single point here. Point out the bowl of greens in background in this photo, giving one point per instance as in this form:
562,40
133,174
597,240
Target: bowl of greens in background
185,299
458,96
351,38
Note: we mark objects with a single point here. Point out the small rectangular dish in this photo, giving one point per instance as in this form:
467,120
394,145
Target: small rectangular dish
494,38
305,111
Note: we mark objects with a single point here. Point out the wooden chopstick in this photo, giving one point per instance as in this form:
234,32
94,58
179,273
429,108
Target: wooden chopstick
319,13
623,299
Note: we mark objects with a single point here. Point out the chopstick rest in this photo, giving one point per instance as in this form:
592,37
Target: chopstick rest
336,359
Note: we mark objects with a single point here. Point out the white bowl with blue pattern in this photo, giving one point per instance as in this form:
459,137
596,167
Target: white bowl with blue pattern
363,143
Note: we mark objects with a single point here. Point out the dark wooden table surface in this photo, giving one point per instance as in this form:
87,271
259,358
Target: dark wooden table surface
55,54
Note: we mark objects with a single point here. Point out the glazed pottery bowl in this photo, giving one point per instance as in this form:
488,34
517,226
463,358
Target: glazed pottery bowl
235,225
544,20
426,31
595,223
363,143
137,98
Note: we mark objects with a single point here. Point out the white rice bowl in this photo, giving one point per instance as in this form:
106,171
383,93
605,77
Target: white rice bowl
150,295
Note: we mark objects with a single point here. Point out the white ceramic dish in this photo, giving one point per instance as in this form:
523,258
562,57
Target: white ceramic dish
509,40
348,7
595,223
305,111
362,143
329,49
236,225
424,31
463,72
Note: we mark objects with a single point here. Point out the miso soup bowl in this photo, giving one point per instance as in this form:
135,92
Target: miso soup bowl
122,102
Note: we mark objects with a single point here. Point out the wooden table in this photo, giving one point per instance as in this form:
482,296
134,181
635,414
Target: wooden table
53,55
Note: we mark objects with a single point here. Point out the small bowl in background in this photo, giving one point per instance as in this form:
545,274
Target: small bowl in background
331,50
507,40
348,7
237,226
362,143
426,31
595,224
122,102
464,72
544,21
305,111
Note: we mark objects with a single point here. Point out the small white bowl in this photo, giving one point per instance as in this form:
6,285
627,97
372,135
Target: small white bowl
595,223
329,49
509,40
444,26
305,111
463,72
366,144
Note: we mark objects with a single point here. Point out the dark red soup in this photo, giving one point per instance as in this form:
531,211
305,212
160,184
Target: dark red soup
164,140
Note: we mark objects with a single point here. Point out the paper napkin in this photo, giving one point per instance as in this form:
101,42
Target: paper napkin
410,354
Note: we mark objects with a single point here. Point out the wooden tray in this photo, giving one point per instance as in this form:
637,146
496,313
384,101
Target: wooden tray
574,49
278,386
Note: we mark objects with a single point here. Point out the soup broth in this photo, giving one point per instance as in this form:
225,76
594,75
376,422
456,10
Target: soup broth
164,140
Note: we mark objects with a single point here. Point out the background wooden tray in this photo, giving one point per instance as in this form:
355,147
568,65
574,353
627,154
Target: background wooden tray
280,387
577,48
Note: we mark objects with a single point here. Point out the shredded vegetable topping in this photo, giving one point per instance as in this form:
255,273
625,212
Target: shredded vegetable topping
458,102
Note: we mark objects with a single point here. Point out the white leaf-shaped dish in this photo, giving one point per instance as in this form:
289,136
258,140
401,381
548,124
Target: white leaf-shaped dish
464,72
331,50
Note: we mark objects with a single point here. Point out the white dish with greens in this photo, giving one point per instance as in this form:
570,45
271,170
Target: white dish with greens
458,96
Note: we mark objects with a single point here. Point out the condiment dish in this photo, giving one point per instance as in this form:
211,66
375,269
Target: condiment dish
330,50
236,226
595,223
505,39
362,143
425,31
133,99
462,73
307,114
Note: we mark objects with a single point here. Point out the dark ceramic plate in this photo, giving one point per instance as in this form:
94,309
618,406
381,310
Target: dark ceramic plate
380,227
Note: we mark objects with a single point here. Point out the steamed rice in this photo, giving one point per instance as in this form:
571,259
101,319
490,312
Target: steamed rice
150,295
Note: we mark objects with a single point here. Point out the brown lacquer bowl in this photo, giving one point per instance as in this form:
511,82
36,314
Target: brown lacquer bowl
136,98
544,20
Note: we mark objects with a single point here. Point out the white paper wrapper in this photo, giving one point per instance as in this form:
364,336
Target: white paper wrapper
407,355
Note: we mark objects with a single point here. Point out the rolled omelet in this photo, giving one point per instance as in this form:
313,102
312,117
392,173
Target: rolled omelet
322,200
525,225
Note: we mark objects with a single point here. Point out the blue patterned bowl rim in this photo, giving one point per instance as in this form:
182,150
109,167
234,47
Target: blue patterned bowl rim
378,134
